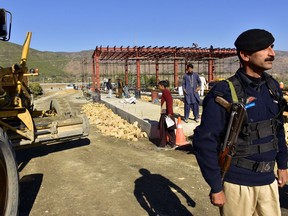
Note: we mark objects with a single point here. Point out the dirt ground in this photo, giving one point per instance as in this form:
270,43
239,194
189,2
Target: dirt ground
106,176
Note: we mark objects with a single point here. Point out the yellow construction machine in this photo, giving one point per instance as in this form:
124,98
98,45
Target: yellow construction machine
21,124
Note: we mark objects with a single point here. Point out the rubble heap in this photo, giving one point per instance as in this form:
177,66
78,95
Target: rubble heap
111,124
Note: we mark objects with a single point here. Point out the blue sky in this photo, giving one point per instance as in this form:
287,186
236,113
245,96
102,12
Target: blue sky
70,26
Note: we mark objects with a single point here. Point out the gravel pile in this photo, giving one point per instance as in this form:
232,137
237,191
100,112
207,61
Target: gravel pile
110,124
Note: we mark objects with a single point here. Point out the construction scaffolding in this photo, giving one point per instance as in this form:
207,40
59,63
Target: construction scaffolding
153,57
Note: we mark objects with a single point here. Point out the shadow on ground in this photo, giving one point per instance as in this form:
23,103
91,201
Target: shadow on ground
29,188
158,195
188,148
23,156
31,184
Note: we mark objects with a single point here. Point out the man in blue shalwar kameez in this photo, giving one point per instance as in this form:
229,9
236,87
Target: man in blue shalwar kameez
191,85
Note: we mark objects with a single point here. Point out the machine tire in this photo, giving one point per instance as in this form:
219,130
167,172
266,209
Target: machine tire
9,179
61,107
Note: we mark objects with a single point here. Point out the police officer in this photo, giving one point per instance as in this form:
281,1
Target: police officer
250,185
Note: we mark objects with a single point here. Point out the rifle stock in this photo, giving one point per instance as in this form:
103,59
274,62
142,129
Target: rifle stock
229,146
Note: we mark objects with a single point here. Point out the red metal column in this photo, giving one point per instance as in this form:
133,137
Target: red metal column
93,74
138,84
176,78
97,74
210,70
126,72
138,74
157,71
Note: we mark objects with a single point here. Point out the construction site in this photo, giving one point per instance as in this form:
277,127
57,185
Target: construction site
118,168
77,150
136,65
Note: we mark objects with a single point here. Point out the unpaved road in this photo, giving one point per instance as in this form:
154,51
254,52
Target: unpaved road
106,176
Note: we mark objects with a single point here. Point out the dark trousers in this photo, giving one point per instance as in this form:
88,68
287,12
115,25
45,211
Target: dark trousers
120,91
195,110
166,133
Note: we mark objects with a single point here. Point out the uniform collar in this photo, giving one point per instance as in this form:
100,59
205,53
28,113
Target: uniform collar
248,81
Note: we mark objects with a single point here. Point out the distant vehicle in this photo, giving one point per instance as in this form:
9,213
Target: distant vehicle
70,86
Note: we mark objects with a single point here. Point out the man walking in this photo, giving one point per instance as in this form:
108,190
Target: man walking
250,186
203,85
109,88
191,85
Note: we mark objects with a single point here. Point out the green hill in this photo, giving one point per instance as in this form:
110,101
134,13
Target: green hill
53,66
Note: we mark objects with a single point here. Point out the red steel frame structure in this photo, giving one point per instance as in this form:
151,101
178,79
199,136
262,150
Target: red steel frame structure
156,53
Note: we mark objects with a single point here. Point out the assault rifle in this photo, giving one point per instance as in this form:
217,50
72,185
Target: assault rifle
228,149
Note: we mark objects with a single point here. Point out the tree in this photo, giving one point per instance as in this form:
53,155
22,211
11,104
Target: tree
36,89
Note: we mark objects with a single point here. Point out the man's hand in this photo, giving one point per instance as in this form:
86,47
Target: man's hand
218,199
282,177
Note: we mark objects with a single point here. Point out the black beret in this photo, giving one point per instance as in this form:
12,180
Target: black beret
254,40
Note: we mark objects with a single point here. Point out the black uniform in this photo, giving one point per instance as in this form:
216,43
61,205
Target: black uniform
263,129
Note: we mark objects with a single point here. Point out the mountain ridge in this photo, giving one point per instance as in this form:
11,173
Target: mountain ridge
67,66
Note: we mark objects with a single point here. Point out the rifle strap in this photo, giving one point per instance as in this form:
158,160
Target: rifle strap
233,91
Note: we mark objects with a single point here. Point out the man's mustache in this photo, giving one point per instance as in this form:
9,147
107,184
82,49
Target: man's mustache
270,59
